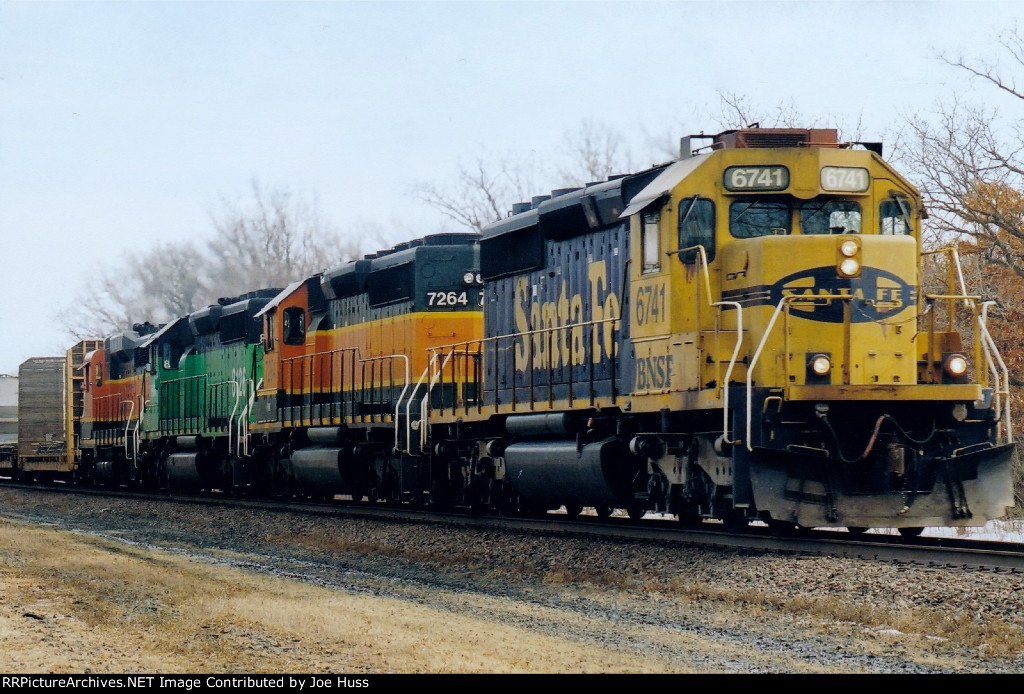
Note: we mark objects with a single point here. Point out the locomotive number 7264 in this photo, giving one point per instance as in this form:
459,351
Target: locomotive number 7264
451,299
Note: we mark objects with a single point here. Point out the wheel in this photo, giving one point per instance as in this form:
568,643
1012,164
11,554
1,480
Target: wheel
735,522
856,530
689,519
602,511
636,511
573,510
780,528
910,532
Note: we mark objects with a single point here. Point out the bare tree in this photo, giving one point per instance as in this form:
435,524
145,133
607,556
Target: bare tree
971,178
591,152
153,285
486,186
967,159
483,190
736,111
273,239
739,111
269,241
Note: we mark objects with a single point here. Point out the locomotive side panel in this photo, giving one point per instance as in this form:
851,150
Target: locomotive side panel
204,399
566,343
351,360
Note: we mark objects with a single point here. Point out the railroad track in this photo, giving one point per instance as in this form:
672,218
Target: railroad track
938,553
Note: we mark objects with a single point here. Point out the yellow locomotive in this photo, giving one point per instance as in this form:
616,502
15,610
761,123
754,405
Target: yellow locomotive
746,333
740,334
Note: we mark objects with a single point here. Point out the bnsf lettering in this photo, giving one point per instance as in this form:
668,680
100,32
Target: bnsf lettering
550,347
653,373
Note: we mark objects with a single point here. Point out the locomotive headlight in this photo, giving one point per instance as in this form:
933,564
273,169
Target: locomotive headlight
820,365
468,278
849,248
955,365
849,268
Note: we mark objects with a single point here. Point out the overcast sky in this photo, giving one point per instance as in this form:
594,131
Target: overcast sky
124,123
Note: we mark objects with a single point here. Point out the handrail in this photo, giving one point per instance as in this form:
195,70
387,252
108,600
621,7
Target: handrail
425,404
951,250
764,340
231,417
408,412
180,388
138,425
384,357
316,363
753,362
1003,387
989,351
739,338
243,434
483,344
127,423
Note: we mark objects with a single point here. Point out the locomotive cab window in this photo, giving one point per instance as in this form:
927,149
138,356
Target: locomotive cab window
169,355
294,326
895,217
651,242
268,333
696,228
830,216
750,219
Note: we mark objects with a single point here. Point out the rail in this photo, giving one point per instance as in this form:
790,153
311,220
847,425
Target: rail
109,418
464,362
579,341
330,386
191,404
236,388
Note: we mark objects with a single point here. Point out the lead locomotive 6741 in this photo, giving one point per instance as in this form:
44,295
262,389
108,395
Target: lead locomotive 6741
745,333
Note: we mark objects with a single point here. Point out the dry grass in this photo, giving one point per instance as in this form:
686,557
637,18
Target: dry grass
995,637
991,636
85,604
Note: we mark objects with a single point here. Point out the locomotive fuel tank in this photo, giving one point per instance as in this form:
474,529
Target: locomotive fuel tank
318,469
547,474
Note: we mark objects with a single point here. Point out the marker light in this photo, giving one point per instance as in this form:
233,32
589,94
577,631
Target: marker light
468,278
848,248
956,365
849,268
821,365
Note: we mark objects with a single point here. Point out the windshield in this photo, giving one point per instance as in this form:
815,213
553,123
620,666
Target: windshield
895,217
830,216
758,217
